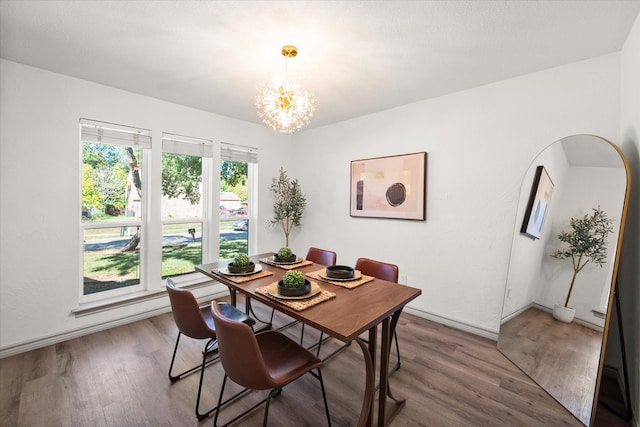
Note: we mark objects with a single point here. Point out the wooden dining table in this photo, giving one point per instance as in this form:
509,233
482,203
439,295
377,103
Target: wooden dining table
344,314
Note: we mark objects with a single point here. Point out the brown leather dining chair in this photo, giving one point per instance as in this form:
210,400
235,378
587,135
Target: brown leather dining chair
197,322
324,257
267,360
321,256
383,271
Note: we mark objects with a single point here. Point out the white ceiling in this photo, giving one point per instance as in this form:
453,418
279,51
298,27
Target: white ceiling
359,56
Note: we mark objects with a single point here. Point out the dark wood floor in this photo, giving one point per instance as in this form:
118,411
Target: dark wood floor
118,377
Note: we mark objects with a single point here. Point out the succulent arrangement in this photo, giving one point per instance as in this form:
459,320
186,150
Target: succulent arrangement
285,252
241,264
293,279
241,260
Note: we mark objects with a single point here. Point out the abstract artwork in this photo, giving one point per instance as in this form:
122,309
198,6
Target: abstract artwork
389,187
538,205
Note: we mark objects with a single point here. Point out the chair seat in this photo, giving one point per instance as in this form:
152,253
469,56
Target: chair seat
283,359
229,312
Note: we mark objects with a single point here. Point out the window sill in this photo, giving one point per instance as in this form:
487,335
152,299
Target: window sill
86,309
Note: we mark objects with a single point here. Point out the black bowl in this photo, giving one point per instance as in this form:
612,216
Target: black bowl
236,270
291,258
340,272
294,292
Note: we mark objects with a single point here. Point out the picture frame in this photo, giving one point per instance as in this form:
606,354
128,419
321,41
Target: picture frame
538,204
389,187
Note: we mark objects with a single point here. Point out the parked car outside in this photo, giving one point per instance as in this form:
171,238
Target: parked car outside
241,211
224,211
242,225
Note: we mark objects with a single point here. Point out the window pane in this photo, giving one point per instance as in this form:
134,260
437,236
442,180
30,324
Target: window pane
111,182
234,209
181,248
181,186
106,266
234,236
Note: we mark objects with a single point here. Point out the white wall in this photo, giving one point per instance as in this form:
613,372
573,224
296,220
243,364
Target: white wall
40,250
629,276
480,143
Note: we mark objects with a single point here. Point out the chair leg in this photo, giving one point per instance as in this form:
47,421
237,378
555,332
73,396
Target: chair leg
273,393
205,353
211,346
319,344
324,397
215,419
173,378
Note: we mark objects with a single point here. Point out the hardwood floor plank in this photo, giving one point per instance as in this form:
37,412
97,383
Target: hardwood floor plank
119,377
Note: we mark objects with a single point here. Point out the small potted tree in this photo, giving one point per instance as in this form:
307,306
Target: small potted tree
294,284
289,203
586,242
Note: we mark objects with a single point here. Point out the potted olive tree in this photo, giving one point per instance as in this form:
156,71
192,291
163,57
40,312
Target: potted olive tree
289,203
586,242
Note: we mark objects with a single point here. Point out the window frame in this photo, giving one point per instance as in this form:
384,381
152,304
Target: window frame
151,224
117,135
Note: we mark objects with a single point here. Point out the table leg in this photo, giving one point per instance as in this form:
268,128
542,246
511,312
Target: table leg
373,341
388,327
394,322
385,347
367,402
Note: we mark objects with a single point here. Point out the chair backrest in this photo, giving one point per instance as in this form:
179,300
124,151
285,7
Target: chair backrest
378,269
321,256
186,313
239,352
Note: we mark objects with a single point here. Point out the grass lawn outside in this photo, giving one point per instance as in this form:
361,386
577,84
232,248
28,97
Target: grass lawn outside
108,268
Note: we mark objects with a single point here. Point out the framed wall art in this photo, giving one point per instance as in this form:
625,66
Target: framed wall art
389,187
538,204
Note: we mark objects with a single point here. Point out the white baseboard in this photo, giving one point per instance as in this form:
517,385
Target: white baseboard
492,335
75,333
54,339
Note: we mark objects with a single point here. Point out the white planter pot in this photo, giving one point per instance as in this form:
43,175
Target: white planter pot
563,314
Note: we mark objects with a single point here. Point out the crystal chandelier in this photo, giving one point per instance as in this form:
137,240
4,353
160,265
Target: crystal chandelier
285,104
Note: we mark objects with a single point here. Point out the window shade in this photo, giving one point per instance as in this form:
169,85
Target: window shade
238,153
187,146
109,133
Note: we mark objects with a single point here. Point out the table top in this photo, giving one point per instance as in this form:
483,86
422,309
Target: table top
345,317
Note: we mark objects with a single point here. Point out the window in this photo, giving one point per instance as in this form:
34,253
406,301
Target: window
112,205
139,227
238,166
185,162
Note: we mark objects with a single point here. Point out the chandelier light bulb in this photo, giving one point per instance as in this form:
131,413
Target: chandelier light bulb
283,103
